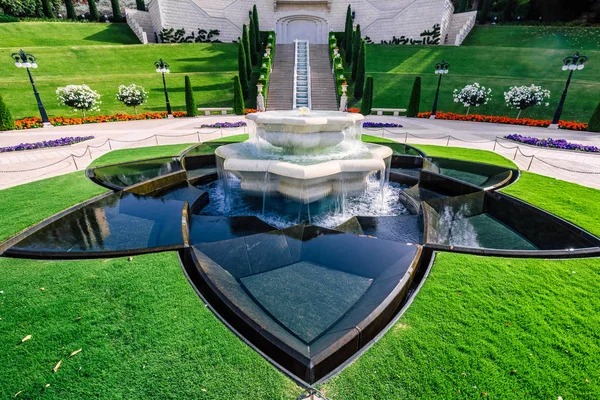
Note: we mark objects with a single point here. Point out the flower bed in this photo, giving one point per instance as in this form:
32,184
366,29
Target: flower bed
555,144
237,124
576,126
354,110
381,125
66,141
36,122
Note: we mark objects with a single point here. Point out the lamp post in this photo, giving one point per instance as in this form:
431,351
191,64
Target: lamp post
571,63
27,61
440,69
162,67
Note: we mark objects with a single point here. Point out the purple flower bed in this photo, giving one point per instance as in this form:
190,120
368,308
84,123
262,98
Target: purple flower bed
66,141
556,144
238,124
381,125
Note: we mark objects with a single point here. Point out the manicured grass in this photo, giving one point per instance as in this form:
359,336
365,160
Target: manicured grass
103,68
496,65
543,37
124,155
492,328
39,34
483,156
575,203
25,205
143,331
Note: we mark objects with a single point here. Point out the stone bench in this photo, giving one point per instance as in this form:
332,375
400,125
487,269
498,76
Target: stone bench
223,110
395,111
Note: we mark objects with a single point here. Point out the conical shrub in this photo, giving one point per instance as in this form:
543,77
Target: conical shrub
48,8
256,29
116,9
238,97
248,50
356,51
7,122
94,14
70,9
415,99
367,101
190,103
348,33
359,83
594,124
242,70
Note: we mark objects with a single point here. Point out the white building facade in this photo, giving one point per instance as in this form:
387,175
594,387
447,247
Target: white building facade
392,21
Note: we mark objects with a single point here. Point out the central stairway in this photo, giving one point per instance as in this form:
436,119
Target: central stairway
281,81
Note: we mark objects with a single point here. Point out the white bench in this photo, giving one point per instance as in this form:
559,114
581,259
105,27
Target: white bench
396,111
224,110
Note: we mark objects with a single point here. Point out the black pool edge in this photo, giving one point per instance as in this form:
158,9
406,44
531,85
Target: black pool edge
193,275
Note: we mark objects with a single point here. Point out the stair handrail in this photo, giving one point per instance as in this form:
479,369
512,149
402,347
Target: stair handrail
308,82
295,84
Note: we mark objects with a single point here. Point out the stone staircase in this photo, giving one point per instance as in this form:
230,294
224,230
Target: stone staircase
281,82
460,26
140,23
301,91
323,96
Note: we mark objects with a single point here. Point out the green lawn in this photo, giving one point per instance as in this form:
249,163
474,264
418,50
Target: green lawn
512,328
27,35
124,155
104,67
483,156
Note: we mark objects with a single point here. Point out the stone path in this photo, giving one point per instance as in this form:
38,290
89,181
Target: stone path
31,165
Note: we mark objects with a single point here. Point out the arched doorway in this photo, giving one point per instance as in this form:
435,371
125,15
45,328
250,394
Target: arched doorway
303,27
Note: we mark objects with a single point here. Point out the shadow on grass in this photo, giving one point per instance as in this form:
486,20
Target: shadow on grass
115,34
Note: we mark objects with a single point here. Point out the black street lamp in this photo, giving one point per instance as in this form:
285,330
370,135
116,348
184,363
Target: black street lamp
162,67
571,63
27,61
440,69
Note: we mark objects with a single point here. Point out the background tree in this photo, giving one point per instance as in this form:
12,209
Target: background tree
348,33
359,83
367,101
94,14
238,97
190,103
132,96
242,69
70,9
415,99
463,5
533,10
356,51
485,11
252,43
7,122
48,8
248,50
594,124
116,9
256,29
139,4
509,7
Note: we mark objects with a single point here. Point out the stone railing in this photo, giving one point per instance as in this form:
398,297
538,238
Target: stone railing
130,16
466,28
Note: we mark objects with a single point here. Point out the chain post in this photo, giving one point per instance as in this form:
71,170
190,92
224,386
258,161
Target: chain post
530,162
90,150
109,145
495,143
405,137
74,163
448,142
516,150
156,139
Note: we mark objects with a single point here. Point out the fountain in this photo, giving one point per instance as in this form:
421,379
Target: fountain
305,156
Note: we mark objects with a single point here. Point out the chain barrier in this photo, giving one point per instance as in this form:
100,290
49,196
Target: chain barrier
89,147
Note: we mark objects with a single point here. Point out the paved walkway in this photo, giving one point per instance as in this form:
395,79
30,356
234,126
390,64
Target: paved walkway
27,166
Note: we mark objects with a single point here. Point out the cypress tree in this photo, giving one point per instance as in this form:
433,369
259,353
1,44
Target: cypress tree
533,11
48,8
190,103
367,101
256,29
508,10
238,97
463,5
594,124
415,99
116,9
248,51
356,51
139,4
250,43
242,71
485,12
348,33
94,15
359,83
7,122
70,9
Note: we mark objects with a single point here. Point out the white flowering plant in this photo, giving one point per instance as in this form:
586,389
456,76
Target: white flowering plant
132,96
523,97
79,97
473,95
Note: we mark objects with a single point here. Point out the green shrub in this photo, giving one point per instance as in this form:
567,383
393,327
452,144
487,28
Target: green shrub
190,103
594,124
71,9
139,4
253,55
356,51
8,18
349,32
463,5
116,9
257,36
415,99
7,122
48,8
367,101
94,14
485,12
250,55
242,71
359,83
238,97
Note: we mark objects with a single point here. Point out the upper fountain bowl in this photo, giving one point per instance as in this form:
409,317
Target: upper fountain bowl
304,130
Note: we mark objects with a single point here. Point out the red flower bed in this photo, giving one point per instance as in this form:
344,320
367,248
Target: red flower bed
249,110
576,126
36,122
354,110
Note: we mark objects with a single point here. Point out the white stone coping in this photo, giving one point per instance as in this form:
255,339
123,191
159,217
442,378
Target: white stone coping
313,118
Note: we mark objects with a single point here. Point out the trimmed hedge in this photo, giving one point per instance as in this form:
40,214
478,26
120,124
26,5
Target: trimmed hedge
242,70
367,101
359,83
190,103
356,51
116,8
594,124
238,97
94,14
7,122
415,99
71,9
